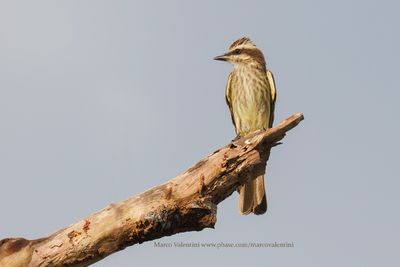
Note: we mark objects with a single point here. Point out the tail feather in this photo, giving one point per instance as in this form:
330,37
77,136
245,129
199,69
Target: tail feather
246,198
252,197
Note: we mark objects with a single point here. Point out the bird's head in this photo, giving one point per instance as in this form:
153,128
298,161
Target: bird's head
243,52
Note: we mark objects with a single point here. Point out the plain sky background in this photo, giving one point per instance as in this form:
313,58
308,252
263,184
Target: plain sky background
100,100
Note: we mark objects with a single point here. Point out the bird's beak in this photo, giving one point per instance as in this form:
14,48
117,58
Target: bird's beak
221,58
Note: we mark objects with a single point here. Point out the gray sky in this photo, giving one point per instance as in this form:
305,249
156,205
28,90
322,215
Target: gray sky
100,100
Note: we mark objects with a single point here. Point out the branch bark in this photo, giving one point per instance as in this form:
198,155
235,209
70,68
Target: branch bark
185,203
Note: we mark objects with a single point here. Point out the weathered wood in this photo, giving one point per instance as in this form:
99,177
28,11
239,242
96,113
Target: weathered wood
185,203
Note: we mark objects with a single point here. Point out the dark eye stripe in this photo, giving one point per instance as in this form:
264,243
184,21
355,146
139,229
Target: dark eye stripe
254,53
235,52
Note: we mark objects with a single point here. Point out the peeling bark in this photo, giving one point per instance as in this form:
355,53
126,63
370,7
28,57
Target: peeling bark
185,203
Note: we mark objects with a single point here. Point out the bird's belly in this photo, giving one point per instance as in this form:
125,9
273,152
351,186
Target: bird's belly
250,113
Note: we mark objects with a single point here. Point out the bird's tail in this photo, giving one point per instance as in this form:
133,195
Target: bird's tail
252,197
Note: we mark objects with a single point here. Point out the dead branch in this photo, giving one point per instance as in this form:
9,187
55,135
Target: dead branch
185,203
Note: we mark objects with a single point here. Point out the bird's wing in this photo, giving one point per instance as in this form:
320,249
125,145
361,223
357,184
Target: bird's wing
228,97
271,82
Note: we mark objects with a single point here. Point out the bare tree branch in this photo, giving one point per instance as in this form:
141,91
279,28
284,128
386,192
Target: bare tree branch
185,203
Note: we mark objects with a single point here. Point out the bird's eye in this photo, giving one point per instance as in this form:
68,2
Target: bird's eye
236,51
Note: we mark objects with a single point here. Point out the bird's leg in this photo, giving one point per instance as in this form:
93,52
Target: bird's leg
236,138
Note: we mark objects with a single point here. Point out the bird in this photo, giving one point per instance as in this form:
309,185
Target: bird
250,94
